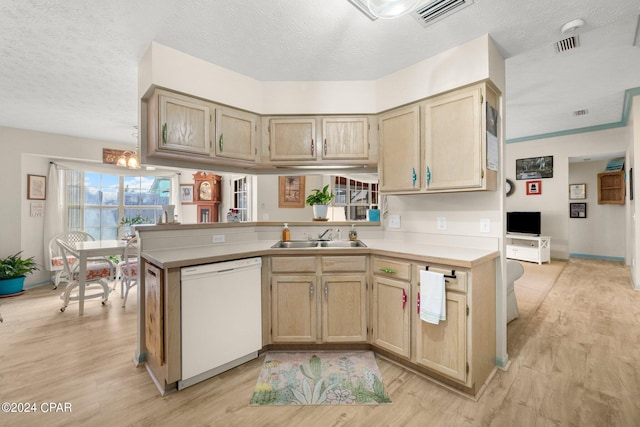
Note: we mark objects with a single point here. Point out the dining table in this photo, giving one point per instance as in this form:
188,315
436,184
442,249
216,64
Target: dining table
90,249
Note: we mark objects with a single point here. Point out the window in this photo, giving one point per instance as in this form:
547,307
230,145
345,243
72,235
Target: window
96,202
356,197
241,198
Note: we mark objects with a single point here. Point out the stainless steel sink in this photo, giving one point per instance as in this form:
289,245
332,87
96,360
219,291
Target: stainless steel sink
343,244
298,244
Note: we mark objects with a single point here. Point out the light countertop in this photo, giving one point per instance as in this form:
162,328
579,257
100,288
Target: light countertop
420,252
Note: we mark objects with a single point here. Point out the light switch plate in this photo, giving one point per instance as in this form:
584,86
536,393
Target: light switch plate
218,238
442,223
394,221
485,225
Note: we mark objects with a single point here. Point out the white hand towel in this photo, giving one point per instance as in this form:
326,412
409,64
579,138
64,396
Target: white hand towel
433,302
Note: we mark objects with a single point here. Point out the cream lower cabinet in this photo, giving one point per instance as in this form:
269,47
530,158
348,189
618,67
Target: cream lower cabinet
324,302
461,348
293,308
443,347
391,310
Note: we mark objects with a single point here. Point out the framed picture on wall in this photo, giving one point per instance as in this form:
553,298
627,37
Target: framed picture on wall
36,187
534,167
291,192
577,191
577,210
534,187
186,194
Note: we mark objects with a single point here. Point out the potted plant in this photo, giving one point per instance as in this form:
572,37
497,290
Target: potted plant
13,271
318,200
128,222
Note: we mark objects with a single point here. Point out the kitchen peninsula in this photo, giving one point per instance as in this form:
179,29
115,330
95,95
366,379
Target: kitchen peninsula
370,293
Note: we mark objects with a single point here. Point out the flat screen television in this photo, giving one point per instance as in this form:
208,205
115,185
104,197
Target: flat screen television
523,223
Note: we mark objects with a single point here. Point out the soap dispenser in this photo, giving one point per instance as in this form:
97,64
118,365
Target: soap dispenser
286,233
353,234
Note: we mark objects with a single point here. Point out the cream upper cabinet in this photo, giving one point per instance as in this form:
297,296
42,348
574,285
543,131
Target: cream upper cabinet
183,124
399,145
292,139
455,140
345,138
236,134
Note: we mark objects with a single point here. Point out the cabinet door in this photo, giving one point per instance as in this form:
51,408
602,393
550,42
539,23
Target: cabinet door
292,139
443,347
611,188
154,319
235,134
184,125
391,315
293,309
345,138
344,302
453,141
399,164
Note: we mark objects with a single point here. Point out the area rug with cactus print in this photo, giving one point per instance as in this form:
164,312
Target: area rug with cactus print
319,378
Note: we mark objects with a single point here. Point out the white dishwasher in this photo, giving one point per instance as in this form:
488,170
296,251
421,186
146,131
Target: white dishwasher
221,317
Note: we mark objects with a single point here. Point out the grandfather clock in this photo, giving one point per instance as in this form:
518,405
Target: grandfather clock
207,195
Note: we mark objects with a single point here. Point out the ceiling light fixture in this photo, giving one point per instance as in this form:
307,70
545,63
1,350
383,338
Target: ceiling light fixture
129,159
387,9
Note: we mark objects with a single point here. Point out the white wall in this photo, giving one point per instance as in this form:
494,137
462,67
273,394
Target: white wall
634,161
553,202
603,232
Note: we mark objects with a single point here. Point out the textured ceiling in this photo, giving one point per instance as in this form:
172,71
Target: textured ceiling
70,67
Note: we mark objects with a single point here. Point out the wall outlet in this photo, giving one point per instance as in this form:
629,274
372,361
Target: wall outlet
218,238
442,223
394,221
485,225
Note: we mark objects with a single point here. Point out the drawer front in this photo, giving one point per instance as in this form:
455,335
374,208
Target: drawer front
293,264
457,283
344,263
392,268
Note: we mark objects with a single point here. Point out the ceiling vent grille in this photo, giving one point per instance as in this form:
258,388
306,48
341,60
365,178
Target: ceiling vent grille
582,112
567,44
437,10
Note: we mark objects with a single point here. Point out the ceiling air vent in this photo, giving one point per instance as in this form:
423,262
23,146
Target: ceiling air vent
567,44
583,112
433,11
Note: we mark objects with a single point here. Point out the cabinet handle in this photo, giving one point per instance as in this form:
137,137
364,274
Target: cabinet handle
151,272
428,176
221,143
325,146
313,148
326,291
311,290
388,270
404,299
414,177
164,134
418,302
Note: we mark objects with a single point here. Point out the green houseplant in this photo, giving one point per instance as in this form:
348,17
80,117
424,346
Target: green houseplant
318,200
126,223
13,271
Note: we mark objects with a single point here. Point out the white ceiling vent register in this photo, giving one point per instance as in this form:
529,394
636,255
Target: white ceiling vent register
567,44
434,11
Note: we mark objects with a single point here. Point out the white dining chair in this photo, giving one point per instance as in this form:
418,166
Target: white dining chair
58,274
129,269
515,270
99,272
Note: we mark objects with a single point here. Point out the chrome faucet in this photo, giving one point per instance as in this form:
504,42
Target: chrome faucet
325,232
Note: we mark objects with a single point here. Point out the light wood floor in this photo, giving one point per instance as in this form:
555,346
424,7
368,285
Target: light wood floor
575,361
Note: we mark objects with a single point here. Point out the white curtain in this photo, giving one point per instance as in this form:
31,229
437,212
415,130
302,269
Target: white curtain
175,197
54,214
